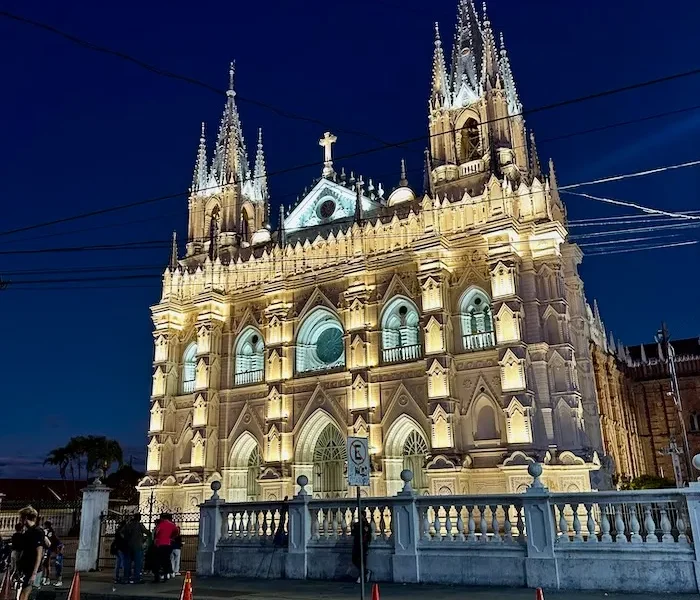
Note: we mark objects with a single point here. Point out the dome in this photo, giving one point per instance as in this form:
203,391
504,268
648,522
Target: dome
400,195
261,236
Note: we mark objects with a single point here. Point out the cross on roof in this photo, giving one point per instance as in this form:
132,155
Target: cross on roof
327,142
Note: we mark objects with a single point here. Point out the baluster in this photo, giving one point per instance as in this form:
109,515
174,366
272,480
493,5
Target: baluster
635,538
650,525
383,523
667,536
494,524
605,525
436,525
326,526
267,518
344,529
314,525
563,524
620,537
460,526
241,525
520,524
507,526
224,524
448,525
334,524
680,525
426,525
483,524
590,524
471,525
577,524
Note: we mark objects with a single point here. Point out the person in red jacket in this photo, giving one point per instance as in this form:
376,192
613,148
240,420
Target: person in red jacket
163,536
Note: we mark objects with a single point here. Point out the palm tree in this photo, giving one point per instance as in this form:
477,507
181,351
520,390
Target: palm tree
58,457
90,452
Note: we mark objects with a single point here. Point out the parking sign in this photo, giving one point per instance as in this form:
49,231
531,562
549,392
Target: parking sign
358,461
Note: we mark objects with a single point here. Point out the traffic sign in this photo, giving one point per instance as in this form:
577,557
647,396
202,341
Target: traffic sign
358,461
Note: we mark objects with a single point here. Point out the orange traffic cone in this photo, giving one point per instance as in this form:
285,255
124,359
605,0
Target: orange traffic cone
186,593
74,591
375,591
6,588
539,594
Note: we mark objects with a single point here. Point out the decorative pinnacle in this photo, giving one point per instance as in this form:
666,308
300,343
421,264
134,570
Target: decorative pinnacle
260,145
483,7
403,182
202,137
438,41
231,73
173,253
503,44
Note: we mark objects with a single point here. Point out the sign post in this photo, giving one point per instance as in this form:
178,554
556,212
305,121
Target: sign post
358,475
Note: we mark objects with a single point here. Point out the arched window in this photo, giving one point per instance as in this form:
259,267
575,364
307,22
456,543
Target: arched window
694,422
252,485
486,423
249,357
320,344
329,464
189,368
476,320
185,449
470,141
400,340
414,452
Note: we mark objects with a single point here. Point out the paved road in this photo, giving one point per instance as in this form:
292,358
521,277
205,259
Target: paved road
97,586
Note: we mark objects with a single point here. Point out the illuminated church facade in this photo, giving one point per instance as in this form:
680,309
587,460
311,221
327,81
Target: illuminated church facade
445,321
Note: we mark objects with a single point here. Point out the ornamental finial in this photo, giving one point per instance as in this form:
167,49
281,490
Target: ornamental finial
327,142
231,73
403,182
438,41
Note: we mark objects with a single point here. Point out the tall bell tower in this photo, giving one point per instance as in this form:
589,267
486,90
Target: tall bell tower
474,113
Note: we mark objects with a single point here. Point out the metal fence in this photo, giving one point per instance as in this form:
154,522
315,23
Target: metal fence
64,516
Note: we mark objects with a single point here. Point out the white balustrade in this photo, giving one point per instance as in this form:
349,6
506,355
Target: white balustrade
479,341
332,520
401,353
470,519
252,521
248,377
640,517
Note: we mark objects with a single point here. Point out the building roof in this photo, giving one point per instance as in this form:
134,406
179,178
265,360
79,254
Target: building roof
689,347
39,490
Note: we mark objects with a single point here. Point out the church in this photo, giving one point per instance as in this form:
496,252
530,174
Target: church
445,322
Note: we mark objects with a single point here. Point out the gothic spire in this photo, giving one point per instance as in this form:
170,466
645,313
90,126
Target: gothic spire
467,52
173,253
514,105
260,172
490,61
596,314
230,162
358,202
281,235
403,182
642,354
427,185
535,168
199,179
439,96
612,348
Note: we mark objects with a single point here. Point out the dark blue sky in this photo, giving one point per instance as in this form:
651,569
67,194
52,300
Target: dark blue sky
82,131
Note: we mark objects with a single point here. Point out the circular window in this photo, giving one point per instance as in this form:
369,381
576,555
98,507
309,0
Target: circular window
402,311
254,339
477,301
327,209
329,346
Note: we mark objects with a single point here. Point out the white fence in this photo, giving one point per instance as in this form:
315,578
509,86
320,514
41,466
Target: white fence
612,541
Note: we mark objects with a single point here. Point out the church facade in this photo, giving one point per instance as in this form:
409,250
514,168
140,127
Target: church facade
445,321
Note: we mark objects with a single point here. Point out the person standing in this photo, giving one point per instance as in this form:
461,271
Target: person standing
31,551
361,536
52,542
176,552
58,564
162,539
135,534
118,550
15,544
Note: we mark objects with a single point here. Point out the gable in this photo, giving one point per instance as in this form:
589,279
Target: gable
325,203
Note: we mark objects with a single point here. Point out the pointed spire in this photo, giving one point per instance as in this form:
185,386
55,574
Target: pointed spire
260,172
596,313
358,201
173,253
403,182
611,344
230,163
490,60
439,96
213,237
281,235
199,179
535,168
643,354
514,105
427,175
467,55
620,350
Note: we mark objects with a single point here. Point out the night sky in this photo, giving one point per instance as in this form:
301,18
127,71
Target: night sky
83,131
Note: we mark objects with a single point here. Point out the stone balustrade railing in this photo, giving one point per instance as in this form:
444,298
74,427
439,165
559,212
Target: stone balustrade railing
612,541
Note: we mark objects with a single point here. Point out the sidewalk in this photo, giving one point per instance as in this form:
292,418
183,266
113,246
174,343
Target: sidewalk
98,586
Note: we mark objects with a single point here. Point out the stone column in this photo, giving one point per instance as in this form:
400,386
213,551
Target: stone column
541,568
210,524
95,502
406,525
299,532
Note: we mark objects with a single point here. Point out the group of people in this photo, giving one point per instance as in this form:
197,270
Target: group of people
33,549
135,550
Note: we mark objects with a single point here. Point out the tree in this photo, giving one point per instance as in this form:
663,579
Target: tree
123,483
85,453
